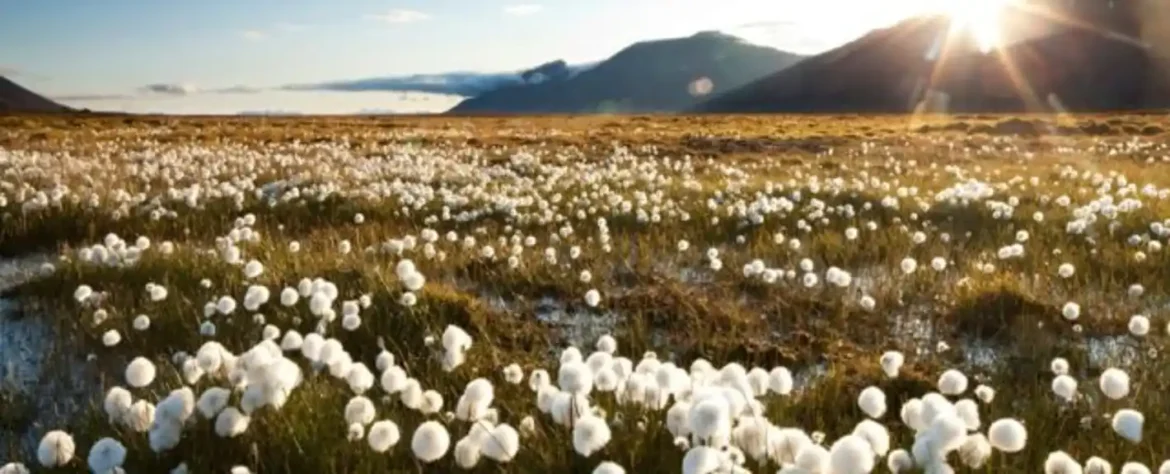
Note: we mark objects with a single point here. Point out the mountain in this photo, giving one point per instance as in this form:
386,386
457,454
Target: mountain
17,99
883,71
1109,61
667,75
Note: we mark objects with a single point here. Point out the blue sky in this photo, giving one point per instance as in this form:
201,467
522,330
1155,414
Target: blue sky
115,49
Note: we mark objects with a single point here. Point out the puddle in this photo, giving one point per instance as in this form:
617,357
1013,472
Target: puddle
576,327
26,342
1112,351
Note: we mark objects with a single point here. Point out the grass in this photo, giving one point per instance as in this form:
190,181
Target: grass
552,178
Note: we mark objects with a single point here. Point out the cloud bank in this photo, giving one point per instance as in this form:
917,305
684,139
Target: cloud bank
466,84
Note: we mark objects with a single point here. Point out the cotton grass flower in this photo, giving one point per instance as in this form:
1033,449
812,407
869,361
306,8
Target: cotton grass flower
872,401
952,382
106,455
1007,435
140,372
608,467
592,298
891,362
1096,465
502,444
590,434
430,442
231,423
1139,325
851,454
56,449
253,269
1134,468
382,436
1065,387
1059,462
14,468
1114,383
111,338
1127,423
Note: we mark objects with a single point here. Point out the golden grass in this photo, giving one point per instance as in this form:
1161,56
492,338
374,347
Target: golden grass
722,317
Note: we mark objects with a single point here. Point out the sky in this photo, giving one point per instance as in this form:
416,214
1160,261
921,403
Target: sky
228,56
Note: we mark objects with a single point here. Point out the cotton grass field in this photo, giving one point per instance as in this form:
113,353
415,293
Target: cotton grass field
815,295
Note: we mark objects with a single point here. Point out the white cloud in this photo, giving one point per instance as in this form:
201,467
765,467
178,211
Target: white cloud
523,9
400,16
254,35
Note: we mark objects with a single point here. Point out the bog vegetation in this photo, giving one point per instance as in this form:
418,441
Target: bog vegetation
412,299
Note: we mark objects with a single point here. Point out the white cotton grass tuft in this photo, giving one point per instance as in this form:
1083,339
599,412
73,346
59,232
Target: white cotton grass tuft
501,444
891,362
1059,366
430,442
975,451
117,404
704,460
1065,387
56,449
609,467
1134,468
851,454
253,269
1059,462
1007,435
780,381
590,434
111,338
873,433
1139,325
106,455
513,374
952,382
360,410
592,298
140,372
872,401
575,378
1114,383
1096,465
231,422
1128,424
14,467
383,435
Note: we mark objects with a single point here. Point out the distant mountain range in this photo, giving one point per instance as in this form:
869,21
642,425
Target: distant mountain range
14,98
667,75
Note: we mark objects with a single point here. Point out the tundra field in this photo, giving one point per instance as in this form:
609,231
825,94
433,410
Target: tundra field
814,295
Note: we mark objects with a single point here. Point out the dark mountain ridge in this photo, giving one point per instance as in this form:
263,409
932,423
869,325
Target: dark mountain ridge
667,75
14,98
1093,58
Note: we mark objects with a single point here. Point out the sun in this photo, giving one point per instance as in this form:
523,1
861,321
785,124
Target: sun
980,18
